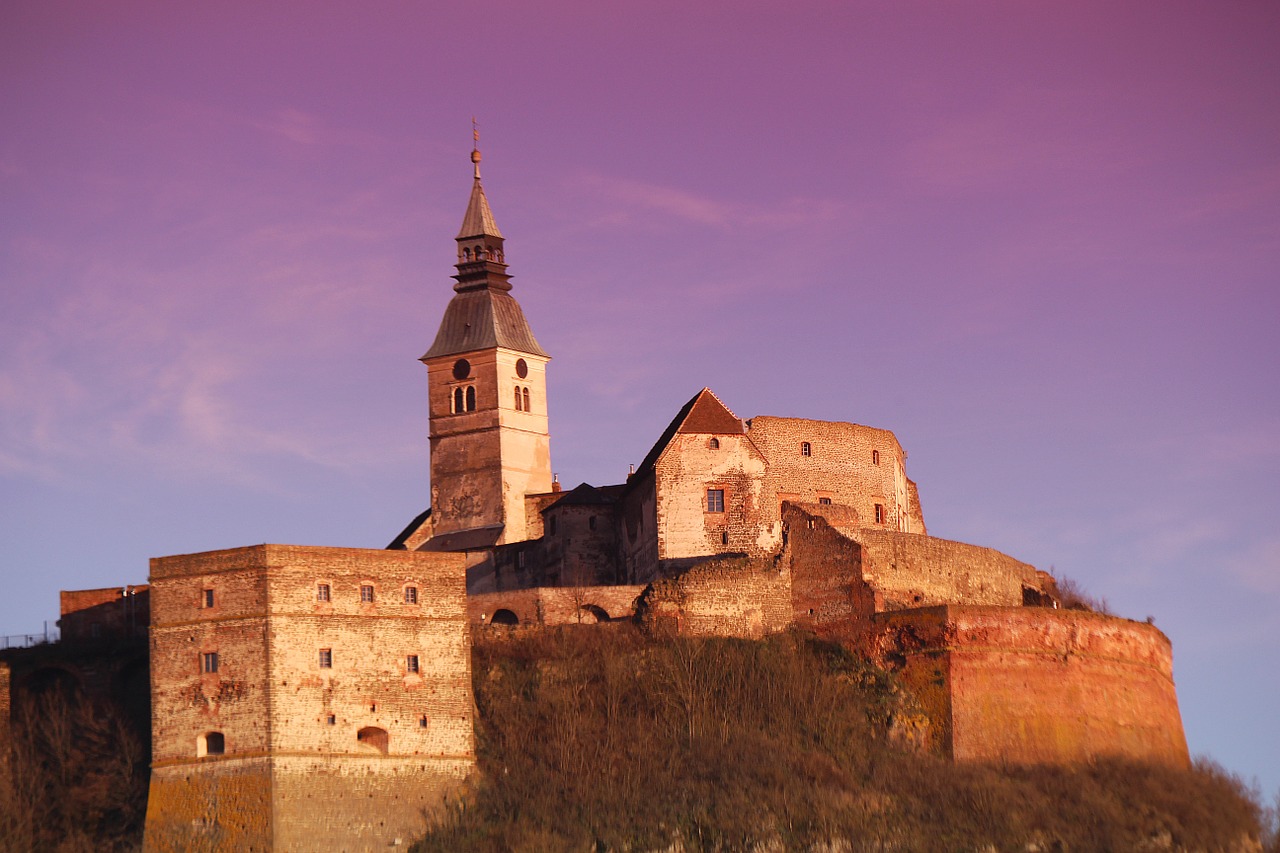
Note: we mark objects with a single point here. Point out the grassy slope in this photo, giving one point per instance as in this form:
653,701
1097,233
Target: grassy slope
598,738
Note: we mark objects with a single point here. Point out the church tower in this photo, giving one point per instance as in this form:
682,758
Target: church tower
488,396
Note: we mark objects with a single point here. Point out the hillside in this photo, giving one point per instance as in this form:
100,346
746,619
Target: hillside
597,737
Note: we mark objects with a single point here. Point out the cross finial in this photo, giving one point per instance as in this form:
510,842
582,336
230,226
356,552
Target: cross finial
475,145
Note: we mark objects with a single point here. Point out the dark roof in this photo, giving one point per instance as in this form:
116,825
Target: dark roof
481,319
397,544
584,495
475,539
704,414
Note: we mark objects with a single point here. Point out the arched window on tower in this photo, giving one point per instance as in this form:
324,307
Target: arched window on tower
457,400
471,398
526,400
519,402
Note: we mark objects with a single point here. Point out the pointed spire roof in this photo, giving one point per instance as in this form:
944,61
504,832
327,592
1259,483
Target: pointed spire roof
482,314
478,221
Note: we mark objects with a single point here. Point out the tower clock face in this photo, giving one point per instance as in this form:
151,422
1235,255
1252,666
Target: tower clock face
522,368
461,369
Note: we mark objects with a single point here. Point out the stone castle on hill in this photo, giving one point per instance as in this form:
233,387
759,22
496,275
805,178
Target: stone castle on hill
307,698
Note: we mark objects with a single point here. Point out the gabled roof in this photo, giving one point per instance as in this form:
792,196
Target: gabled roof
482,319
475,539
398,544
705,414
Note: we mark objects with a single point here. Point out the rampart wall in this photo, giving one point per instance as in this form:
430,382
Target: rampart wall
1036,685
555,605
923,571
733,597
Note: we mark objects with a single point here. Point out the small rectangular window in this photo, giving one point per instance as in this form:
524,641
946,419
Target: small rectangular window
824,500
410,595
332,719
366,593
879,513
326,658
875,457
715,500
208,598
806,449
411,663
209,662
322,592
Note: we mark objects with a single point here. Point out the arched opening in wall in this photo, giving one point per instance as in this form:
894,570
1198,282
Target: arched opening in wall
211,743
458,403
714,444
504,617
519,401
589,614
373,739
526,400
471,398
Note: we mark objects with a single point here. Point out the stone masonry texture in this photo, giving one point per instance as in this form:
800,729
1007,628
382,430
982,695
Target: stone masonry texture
340,718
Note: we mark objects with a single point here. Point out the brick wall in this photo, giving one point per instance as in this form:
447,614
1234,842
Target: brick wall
850,464
278,707
555,606
1036,685
921,571
104,614
734,597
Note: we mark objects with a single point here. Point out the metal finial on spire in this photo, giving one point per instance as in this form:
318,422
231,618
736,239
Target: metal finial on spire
475,145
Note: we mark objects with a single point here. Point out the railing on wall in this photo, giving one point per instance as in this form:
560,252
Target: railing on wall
24,641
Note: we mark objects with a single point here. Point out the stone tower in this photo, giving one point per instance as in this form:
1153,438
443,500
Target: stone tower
488,397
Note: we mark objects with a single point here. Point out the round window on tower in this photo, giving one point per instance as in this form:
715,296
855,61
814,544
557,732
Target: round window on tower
461,369
522,368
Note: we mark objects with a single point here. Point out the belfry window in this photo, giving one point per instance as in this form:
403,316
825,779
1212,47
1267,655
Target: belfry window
526,401
471,398
715,500
458,405
806,449
519,401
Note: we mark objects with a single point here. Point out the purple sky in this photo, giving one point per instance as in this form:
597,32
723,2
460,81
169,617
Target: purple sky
1040,242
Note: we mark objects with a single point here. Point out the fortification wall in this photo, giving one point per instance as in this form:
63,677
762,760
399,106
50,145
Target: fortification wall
348,659
828,594
555,605
850,464
101,614
1036,685
734,597
923,571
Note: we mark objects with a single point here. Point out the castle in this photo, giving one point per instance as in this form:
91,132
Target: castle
309,697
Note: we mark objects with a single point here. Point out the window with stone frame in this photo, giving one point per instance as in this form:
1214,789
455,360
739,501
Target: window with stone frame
207,598
366,593
715,500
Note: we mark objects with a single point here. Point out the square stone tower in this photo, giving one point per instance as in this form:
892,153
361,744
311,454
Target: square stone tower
305,698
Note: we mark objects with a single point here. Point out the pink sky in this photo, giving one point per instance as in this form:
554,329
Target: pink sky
1040,242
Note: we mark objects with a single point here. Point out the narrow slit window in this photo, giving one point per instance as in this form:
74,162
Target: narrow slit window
875,457
471,398
209,662
526,401
208,598
519,401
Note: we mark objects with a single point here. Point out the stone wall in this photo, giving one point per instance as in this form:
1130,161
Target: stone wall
377,691
555,606
828,594
1037,685
115,612
734,597
921,571
849,464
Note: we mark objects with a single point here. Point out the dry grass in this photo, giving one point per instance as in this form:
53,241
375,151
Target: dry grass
597,738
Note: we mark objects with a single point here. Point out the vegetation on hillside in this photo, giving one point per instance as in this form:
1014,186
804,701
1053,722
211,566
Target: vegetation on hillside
598,738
